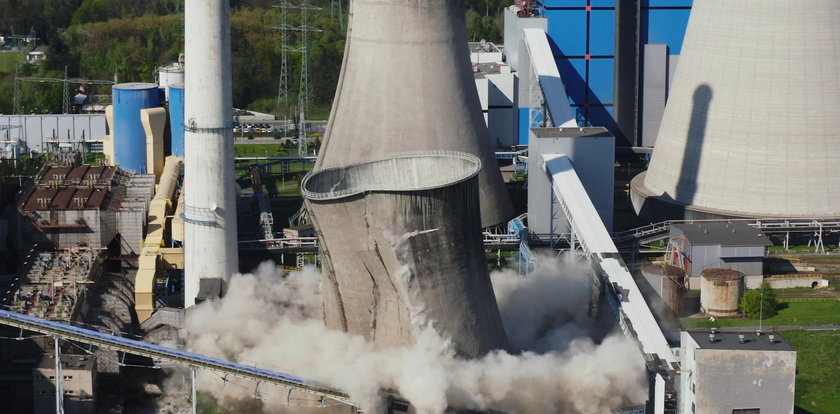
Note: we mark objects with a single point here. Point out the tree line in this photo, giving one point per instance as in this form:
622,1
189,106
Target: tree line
101,39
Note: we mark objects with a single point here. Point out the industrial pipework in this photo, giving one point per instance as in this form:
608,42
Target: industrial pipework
402,250
153,252
210,211
406,84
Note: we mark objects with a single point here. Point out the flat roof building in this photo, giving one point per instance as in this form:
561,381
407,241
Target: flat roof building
738,373
696,247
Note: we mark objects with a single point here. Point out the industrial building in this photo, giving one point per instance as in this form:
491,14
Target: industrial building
591,151
399,225
616,60
700,246
87,206
78,377
54,284
57,133
736,372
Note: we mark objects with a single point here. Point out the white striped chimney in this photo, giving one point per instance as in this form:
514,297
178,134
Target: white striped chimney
210,211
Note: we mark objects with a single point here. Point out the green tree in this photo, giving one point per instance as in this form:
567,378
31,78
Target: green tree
759,302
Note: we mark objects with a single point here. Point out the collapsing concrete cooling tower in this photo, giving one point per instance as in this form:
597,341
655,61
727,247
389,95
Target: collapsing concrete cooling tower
402,247
406,85
752,124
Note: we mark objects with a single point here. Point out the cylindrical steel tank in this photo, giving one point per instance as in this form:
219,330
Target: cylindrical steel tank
720,291
170,75
406,84
402,249
128,133
176,118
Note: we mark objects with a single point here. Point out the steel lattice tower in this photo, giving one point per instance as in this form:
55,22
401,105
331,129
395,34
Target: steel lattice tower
305,87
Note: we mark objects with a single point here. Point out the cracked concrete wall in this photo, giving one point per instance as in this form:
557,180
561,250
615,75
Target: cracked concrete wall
397,260
406,84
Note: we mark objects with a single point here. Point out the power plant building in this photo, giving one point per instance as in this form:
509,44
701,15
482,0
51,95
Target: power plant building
697,247
616,59
591,150
750,128
732,372
86,206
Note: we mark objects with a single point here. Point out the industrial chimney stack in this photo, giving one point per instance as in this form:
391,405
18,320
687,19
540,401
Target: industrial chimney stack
210,212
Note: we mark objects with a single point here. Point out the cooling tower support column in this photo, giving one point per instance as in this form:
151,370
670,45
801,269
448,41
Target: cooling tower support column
402,250
210,211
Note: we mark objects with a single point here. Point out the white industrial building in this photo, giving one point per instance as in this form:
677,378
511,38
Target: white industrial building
738,373
591,151
21,134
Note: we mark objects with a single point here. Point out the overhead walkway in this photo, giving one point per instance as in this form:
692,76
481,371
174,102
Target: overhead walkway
782,226
157,352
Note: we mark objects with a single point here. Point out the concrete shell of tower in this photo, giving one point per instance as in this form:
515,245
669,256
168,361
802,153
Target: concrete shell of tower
402,250
406,85
752,124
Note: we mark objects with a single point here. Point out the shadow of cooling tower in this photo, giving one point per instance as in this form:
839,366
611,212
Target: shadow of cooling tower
402,248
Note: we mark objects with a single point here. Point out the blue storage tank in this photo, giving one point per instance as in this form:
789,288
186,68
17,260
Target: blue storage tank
176,118
129,137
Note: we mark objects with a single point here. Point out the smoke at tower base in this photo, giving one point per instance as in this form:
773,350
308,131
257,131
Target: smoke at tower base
273,320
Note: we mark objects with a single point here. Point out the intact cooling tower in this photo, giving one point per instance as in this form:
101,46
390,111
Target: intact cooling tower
406,85
752,124
402,249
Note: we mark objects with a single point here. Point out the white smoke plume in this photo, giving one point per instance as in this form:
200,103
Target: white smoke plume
273,320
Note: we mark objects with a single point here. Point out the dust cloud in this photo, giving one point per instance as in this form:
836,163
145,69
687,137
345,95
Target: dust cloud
273,320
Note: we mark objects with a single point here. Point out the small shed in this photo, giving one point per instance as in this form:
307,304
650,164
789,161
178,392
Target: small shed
718,245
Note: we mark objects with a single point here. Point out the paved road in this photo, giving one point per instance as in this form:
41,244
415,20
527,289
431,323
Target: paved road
781,328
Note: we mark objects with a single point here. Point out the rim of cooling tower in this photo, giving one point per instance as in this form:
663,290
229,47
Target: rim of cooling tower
403,172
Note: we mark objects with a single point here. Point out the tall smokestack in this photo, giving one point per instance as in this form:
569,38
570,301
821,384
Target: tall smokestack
406,84
210,212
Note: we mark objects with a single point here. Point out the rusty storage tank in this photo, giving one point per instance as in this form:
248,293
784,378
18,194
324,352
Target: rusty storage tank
720,291
669,283
402,250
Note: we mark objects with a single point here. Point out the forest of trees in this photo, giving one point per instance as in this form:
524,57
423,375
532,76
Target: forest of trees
101,39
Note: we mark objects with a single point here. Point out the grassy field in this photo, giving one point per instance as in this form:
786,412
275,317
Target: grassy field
818,371
260,150
9,61
790,314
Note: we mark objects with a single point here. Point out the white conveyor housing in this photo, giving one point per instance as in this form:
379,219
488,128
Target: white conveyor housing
635,316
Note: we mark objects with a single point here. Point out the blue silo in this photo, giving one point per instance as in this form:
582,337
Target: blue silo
176,117
129,136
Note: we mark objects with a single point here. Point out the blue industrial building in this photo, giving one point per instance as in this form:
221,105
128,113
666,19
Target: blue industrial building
600,47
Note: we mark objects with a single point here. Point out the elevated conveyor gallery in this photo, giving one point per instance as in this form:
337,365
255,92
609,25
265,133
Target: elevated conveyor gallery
546,88
157,352
634,316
